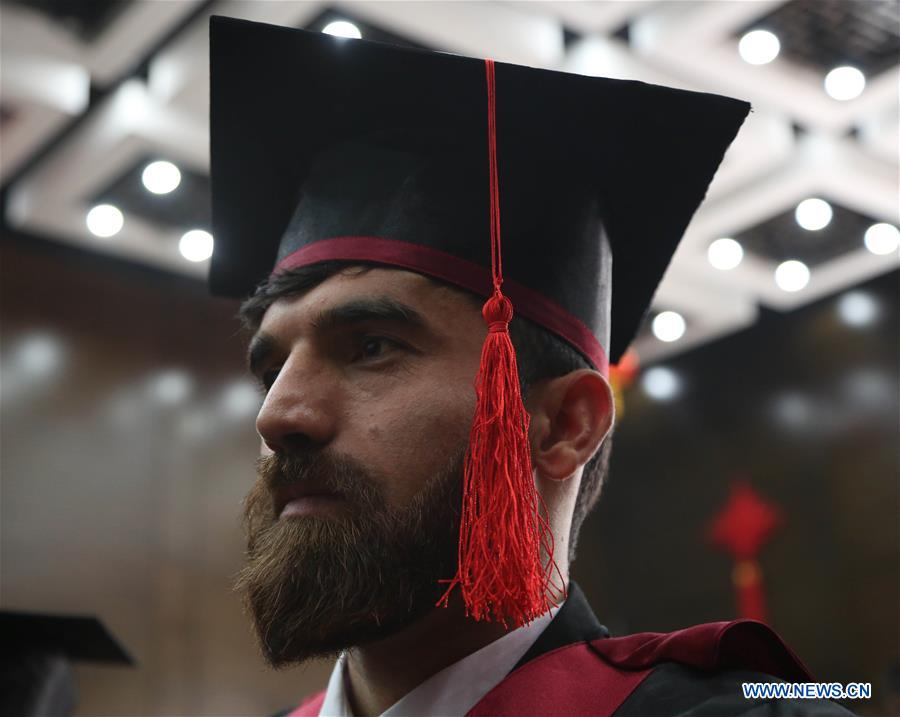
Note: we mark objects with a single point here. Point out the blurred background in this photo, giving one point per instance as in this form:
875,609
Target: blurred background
756,462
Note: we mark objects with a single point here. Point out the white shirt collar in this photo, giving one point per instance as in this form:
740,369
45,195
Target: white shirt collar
453,691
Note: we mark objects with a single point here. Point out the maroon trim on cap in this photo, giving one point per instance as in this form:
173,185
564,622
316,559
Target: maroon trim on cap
441,265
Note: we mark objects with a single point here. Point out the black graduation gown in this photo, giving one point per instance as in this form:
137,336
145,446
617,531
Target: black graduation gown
670,687
673,688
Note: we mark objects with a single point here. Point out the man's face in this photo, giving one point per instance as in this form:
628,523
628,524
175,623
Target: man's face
370,399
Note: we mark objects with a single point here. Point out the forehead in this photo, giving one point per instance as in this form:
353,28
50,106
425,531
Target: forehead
442,306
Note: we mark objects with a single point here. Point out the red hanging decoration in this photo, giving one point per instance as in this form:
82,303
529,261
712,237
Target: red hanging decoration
741,528
504,534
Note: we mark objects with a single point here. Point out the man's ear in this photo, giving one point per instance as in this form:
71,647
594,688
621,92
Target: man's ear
570,417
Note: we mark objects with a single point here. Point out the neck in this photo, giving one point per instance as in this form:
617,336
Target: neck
379,674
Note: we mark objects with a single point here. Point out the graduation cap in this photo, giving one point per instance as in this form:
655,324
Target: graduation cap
35,653
324,148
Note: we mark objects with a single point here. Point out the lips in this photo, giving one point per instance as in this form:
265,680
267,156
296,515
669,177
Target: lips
295,492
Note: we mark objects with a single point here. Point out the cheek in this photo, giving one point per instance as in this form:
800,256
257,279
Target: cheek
413,435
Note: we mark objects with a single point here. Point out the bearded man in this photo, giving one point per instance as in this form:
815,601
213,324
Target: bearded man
428,458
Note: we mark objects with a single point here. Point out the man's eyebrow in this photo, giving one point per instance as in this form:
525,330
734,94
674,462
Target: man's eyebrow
382,308
379,308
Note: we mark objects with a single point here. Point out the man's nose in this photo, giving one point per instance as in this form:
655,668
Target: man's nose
300,407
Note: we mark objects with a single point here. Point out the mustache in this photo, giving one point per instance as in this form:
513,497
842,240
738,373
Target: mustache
332,473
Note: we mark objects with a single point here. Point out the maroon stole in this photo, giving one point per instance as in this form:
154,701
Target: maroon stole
595,677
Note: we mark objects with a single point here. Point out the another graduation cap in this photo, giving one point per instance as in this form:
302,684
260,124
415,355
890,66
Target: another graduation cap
331,149
35,652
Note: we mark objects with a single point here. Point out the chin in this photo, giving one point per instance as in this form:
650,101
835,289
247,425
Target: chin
302,644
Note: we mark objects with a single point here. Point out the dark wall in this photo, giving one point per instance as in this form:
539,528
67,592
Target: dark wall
804,407
121,498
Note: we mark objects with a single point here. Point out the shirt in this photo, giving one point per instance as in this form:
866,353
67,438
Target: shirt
454,690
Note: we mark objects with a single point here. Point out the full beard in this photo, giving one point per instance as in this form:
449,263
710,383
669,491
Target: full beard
318,584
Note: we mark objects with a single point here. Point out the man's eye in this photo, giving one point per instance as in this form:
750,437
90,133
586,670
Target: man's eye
374,347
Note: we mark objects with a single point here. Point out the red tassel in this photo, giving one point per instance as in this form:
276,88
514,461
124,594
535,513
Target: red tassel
504,533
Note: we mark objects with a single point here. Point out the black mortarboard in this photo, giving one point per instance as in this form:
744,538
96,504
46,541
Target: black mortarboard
327,148
35,652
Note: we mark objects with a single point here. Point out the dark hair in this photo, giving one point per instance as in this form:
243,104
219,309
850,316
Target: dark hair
540,354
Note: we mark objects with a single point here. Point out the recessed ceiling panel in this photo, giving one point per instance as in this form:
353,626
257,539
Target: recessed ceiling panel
186,207
824,34
781,237
87,19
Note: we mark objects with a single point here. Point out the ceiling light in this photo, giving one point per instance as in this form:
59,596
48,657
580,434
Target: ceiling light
725,253
857,308
196,245
241,399
759,47
871,387
668,326
171,387
661,383
39,354
161,177
342,28
105,220
882,238
813,214
794,410
195,424
792,275
845,83
37,358
131,106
